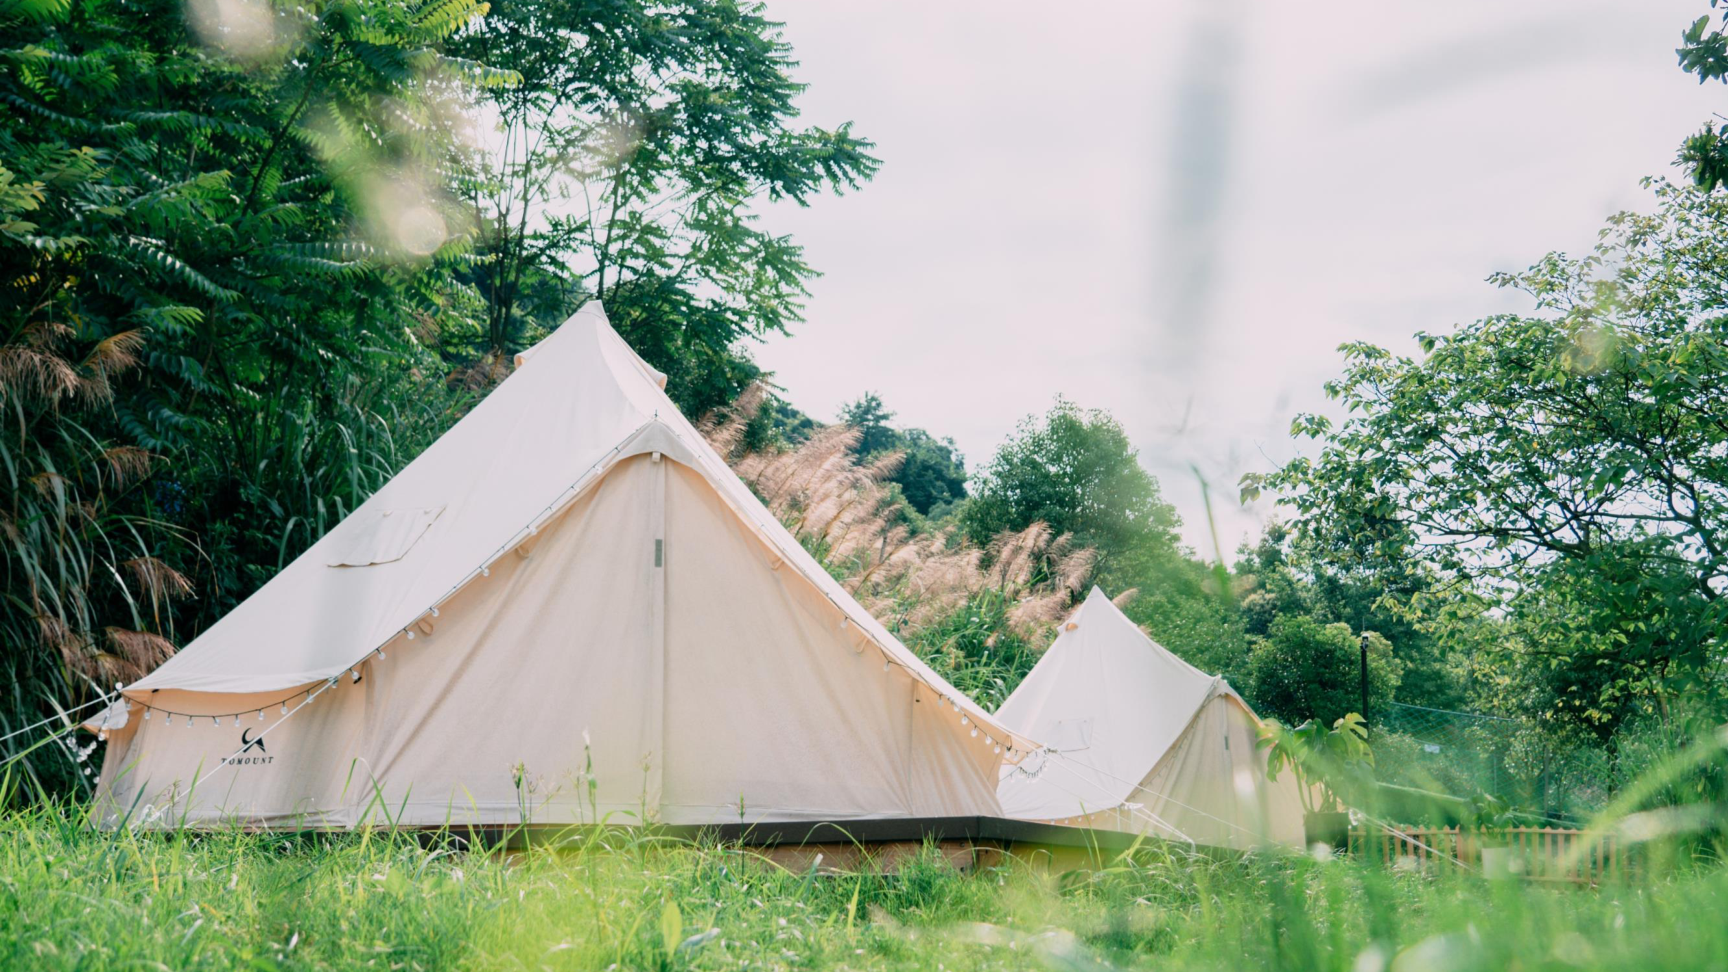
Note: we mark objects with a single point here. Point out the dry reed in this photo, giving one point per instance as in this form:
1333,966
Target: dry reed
908,573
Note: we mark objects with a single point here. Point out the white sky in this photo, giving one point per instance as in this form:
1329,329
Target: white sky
1176,210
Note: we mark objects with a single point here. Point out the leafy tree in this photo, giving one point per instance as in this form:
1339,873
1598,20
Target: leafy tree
1593,642
1572,461
635,148
223,236
1704,52
1076,471
1304,670
1278,579
870,417
932,473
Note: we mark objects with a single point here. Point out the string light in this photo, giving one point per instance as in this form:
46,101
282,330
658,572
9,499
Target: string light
486,571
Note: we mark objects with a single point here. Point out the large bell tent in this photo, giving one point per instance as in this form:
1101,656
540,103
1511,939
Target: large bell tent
566,610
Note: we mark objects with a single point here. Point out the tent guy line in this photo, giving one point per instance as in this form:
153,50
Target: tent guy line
53,718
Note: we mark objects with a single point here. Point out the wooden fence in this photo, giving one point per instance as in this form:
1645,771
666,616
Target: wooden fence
1552,854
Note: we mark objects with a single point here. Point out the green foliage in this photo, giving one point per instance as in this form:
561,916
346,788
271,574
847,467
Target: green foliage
1076,471
1565,465
870,417
1304,669
931,474
1178,602
82,898
209,346
1704,52
638,143
1331,762
976,649
1278,578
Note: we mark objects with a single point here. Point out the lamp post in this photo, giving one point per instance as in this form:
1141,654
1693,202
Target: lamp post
1364,680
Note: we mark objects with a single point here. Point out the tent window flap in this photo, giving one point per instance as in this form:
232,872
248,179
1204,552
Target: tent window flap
382,537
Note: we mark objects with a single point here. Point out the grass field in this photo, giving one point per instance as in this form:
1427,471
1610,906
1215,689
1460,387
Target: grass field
74,898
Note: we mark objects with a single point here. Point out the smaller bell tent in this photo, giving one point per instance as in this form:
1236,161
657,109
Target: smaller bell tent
1138,740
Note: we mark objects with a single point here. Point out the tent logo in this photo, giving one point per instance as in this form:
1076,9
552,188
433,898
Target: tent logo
247,744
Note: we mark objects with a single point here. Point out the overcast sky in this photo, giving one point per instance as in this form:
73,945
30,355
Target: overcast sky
1176,210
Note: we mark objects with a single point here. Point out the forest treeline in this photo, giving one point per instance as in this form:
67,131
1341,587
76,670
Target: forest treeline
256,256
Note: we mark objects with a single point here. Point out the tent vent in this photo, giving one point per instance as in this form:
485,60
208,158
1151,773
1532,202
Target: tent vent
659,552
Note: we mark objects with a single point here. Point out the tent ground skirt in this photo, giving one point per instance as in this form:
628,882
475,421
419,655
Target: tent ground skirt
844,846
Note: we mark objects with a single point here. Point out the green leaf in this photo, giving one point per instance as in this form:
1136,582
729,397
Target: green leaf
671,927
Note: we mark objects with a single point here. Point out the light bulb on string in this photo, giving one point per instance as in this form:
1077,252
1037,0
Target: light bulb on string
410,636
353,674
260,715
434,612
974,732
284,708
147,711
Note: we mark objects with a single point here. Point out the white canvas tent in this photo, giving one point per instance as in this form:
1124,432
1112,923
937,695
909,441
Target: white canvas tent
568,607
1139,740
